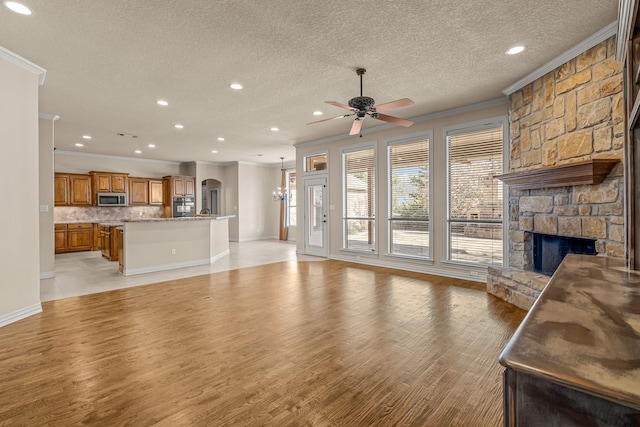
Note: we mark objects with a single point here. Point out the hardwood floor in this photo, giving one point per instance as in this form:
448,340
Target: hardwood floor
287,344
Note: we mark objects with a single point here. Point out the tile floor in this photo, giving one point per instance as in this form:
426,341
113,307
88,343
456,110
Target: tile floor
83,273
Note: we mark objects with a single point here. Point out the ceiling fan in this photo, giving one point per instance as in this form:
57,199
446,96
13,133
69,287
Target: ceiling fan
363,106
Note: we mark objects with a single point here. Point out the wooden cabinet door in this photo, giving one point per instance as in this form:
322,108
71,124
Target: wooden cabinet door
79,237
178,187
102,182
60,239
118,183
138,191
80,189
189,186
155,192
97,239
106,241
61,190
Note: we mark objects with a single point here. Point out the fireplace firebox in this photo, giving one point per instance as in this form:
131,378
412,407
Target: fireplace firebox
549,250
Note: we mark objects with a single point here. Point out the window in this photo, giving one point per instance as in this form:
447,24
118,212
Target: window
315,163
359,200
291,186
408,198
474,214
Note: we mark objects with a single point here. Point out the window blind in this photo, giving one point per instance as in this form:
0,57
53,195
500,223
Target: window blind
475,198
359,200
408,196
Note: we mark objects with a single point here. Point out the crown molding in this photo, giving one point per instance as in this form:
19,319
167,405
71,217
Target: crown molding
51,117
583,46
14,58
625,14
417,119
109,156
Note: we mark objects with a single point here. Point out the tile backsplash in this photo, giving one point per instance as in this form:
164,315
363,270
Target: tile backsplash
102,213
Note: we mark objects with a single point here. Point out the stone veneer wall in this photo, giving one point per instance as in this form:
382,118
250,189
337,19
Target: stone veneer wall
573,113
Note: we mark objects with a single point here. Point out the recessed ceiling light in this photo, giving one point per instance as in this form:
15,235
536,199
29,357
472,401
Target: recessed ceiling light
162,102
178,126
151,146
515,50
235,86
220,139
318,113
86,137
138,152
214,151
78,144
18,8
274,129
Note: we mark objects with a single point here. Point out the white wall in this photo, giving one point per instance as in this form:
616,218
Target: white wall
231,200
45,154
20,254
259,214
438,196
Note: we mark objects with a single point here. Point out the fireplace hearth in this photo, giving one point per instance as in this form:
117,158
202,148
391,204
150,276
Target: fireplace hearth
549,250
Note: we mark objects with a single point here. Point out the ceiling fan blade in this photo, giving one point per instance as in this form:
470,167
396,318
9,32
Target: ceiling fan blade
332,118
337,104
355,128
394,104
394,120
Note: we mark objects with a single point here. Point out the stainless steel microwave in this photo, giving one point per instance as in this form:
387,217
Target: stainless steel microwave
112,199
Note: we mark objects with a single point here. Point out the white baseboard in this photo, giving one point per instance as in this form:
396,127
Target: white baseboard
253,239
163,267
220,255
47,275
481,278
20,314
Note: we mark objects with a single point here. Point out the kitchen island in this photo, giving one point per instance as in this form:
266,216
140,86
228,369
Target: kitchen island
157,244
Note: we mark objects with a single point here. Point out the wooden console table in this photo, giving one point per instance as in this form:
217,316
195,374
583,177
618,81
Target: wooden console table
575,359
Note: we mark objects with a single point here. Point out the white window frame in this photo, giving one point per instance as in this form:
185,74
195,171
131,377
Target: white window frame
405,139
311,173
466,128
371,145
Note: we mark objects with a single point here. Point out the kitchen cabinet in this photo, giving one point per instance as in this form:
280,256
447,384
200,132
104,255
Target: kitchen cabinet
179,186
155,192
60,238
138,191
61,190
109,245
72,189
73,237
109,182
120,234
96,245
79,237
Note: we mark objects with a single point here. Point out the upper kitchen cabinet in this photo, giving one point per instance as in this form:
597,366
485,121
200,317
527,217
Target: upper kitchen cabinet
179,186
107,182
145,191
72,189
155,192
138,191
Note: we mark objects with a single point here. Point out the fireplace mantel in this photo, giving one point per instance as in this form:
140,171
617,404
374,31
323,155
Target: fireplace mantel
578,173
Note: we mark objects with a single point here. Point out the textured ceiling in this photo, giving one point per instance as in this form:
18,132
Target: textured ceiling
108,61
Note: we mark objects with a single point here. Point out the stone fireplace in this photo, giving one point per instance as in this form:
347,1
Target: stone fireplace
571,115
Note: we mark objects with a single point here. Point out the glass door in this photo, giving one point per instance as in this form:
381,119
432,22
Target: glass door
315,217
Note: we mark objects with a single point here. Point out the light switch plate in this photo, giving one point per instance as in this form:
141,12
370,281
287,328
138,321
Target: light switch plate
44,208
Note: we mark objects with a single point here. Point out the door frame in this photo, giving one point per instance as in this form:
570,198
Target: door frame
322,251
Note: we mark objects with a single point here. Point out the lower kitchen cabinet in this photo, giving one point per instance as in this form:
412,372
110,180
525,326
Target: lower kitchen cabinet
109,246
73,237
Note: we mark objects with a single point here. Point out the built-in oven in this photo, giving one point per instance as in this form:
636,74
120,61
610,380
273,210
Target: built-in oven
183,207
112,199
